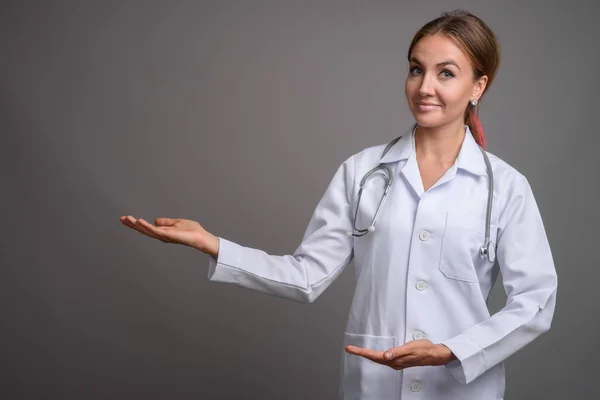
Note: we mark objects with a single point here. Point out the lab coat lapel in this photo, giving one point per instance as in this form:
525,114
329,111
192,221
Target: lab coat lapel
411,173
469,159
404,149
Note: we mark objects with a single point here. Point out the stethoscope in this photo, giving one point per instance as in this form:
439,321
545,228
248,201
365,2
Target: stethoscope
487,250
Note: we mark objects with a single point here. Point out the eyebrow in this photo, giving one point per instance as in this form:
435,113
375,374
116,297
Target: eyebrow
442,64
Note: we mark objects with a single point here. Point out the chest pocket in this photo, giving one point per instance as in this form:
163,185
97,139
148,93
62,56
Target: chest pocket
460,249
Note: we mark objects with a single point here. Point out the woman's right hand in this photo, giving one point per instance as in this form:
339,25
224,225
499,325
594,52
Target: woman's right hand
180,231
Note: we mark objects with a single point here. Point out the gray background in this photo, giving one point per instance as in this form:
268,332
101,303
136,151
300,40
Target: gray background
236,114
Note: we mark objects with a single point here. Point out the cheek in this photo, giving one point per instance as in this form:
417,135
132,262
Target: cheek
409,88
453,98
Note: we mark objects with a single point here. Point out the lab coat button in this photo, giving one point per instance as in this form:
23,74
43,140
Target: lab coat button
415,386
418,335
424,235
421,285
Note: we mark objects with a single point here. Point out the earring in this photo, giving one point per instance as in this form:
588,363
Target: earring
473,103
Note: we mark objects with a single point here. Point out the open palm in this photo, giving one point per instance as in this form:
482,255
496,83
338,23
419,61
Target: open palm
169,230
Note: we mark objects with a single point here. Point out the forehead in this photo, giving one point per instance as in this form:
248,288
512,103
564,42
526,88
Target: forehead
438,48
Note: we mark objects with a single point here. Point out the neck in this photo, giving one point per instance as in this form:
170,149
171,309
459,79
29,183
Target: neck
439,144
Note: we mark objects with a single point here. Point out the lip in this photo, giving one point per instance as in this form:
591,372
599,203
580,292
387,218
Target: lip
425,106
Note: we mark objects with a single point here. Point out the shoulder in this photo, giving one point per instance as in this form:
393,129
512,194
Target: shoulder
512,190
504,173
368,156
359,163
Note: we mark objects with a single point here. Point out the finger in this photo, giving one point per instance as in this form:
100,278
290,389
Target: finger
140,225
135,224
404,350
372,355
130,222
144,230
396,352
150,230
164,233
165,221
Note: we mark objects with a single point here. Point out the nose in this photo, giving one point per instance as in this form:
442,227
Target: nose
426,86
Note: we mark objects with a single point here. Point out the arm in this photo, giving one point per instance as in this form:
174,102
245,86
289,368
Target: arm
323,254
530,282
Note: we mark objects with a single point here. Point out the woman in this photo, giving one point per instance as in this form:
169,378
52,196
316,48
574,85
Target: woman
423,276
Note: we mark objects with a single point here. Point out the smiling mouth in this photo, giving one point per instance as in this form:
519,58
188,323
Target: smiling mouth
427,106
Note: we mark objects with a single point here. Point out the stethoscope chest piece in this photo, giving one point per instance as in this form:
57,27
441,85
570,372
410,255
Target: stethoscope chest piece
488,251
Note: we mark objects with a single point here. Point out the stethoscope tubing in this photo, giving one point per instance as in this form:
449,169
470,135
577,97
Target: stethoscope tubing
487,250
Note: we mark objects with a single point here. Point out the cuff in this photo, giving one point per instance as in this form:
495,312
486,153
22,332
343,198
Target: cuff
229,256
469,363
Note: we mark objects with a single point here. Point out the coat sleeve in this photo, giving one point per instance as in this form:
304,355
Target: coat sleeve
320,258
530,283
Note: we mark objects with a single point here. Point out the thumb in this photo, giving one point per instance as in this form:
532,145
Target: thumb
165,221
389,354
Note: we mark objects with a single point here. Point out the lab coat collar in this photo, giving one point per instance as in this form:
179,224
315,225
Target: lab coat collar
402,149
469,157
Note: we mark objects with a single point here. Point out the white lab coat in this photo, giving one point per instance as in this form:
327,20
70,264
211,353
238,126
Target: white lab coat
420,274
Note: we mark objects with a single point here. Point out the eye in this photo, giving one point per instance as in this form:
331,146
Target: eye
415,70
447,74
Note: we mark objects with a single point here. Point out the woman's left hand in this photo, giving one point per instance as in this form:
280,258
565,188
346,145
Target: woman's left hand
412,354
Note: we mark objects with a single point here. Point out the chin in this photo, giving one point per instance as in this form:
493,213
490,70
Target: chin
427,121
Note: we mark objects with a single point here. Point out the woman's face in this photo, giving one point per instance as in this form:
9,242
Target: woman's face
440,82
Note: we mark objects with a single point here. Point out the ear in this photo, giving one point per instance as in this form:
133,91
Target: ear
479,87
